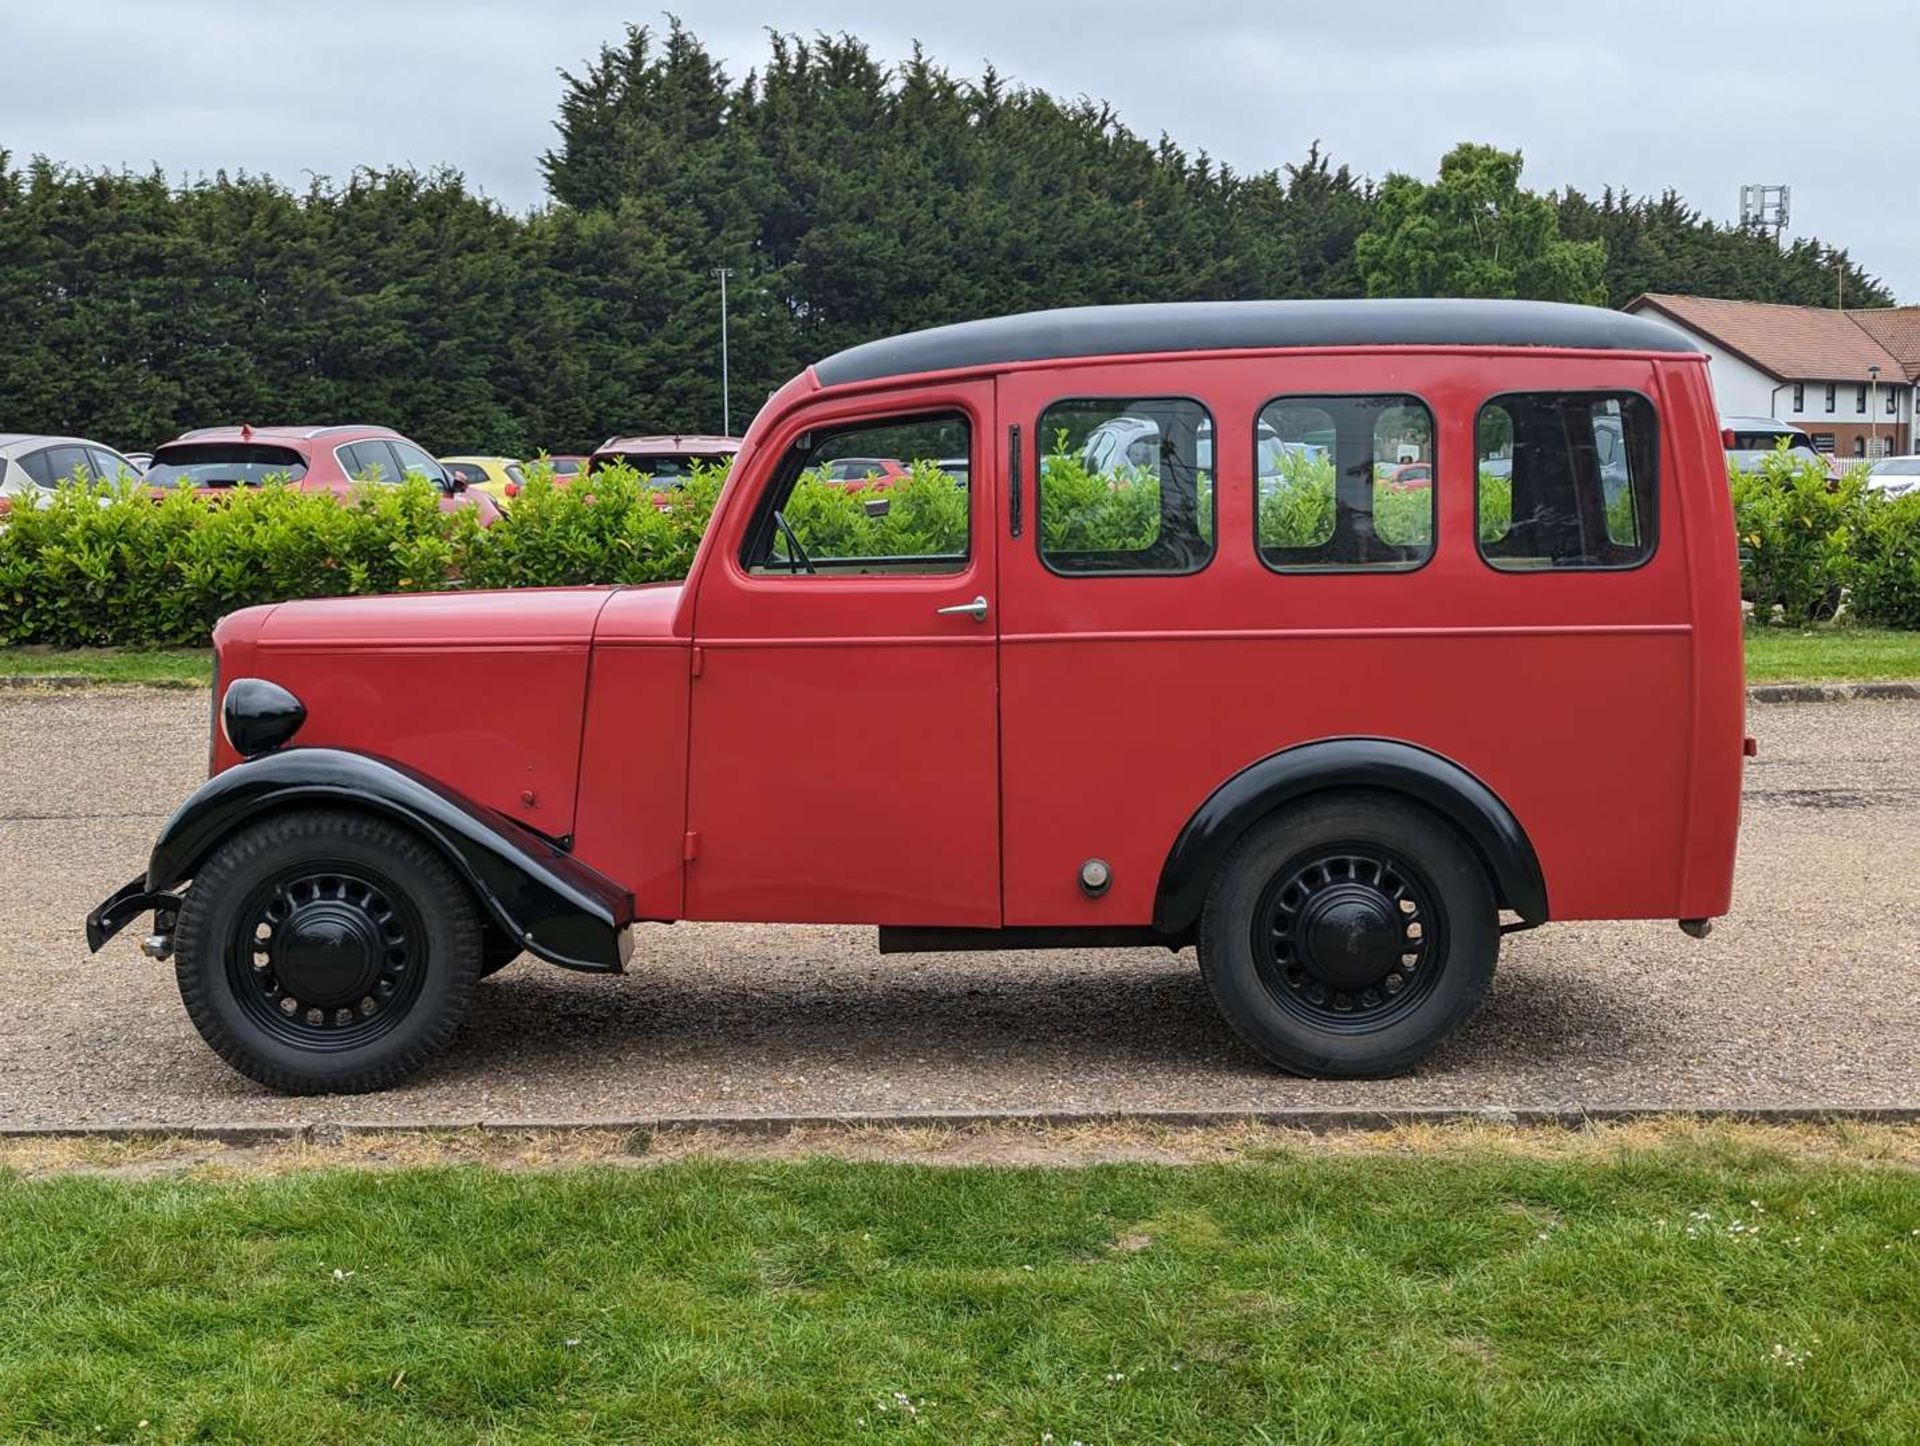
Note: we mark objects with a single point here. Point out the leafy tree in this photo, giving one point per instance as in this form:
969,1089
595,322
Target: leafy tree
1474,232
851,199
1663,244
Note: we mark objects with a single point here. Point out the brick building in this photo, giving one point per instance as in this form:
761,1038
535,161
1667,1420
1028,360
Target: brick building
1850,379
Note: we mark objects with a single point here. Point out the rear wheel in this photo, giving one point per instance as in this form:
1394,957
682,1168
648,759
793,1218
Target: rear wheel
326,952
1349,935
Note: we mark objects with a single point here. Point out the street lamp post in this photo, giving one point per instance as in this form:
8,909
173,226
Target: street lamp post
726,386
1873,411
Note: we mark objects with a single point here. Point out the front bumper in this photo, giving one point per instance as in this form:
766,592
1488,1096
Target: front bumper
123,906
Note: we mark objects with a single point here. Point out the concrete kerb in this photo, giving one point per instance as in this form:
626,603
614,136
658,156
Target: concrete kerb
1307,1120
1833,692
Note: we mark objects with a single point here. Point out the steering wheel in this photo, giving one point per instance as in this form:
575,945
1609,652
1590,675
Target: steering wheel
796,554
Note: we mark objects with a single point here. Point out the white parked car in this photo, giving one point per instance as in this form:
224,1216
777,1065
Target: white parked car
1750,440
1894,476
32,466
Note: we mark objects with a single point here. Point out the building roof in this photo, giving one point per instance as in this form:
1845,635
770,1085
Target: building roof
1897,328
1234,325
1788,343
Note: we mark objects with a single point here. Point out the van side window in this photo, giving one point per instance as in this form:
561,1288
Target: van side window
1126,485
1344,483
1566,480
884,497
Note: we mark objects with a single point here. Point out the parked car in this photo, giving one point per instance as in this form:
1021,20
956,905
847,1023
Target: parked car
858,473
1340,765
1894,476
1750,440
308,459
501,478
565,467
140,460
1127,447
32,466
665,459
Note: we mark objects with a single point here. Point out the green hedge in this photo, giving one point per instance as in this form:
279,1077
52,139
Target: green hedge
103,567
114,567
1807,544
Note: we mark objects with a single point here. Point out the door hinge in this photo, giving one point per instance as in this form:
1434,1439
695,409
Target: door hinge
690,847
699,661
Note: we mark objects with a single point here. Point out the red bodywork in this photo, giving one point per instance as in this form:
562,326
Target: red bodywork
831,749
320,452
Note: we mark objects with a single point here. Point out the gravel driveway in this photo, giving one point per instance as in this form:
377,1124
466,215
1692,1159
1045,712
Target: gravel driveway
1806,996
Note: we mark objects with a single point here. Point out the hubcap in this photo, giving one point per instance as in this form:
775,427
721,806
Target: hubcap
326,959
1349,933
1348,939
327,952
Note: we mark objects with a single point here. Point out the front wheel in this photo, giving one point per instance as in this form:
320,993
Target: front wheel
326,952
1347,936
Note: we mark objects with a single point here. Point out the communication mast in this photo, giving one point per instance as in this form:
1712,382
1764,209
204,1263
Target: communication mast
1764,208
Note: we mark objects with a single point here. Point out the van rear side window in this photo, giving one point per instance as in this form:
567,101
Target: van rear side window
1126,485
1344,483
1567,480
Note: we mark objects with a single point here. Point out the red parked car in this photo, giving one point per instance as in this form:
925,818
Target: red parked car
667,461
565,467
1342,749
307,459
664,458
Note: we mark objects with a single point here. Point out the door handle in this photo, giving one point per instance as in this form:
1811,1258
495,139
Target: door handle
977,610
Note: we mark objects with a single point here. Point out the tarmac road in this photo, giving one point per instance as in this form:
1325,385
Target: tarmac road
1808,995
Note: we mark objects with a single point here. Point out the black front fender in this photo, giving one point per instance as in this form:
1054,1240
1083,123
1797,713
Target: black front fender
1382,764
552,904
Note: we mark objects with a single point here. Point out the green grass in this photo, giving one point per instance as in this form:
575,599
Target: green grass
1778,655
1303,1297
175,666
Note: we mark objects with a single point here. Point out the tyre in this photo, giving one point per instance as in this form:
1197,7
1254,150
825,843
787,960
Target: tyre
1348,935
326,952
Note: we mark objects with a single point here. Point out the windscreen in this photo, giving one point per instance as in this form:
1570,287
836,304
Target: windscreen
224,464
1767,441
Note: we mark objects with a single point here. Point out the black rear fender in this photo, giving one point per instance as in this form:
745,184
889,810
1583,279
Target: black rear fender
1382,765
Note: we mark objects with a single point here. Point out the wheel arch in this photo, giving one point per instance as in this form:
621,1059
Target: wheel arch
526,885
1378,765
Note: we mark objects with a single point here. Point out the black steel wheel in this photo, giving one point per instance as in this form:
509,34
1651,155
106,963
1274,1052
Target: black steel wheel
326,951
1349,938
326,959
1349,935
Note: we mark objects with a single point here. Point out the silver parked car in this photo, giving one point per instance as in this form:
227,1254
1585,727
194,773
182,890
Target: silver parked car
32,466
1894,476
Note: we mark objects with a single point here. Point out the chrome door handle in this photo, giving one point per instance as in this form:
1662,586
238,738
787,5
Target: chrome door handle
977,610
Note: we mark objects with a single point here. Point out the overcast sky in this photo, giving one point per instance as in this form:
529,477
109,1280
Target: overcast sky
1700,95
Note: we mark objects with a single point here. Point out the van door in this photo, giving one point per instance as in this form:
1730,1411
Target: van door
844,735
1105,574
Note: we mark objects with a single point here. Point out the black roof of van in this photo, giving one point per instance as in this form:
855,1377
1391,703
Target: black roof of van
1231,325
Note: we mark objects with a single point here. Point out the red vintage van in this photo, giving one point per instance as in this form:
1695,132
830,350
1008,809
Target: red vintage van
1178,660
